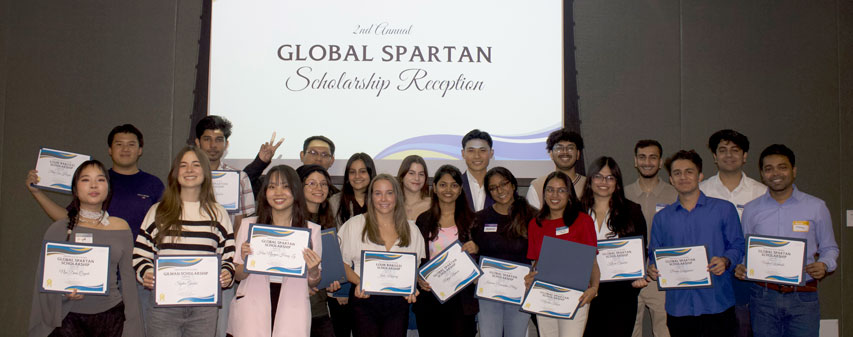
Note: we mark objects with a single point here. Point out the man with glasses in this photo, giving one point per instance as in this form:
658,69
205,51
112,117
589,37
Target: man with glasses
317,150
565,148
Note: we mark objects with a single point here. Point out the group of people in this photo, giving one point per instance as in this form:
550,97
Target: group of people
140,218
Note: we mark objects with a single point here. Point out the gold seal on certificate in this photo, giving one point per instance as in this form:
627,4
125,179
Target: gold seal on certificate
186,280
388,273
621,259
67,267
502,280
682,267
277,250
450,271
551,300
775,259
226,188
56,168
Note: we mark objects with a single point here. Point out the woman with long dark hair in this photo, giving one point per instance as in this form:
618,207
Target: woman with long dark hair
500,231
413,177
447,220
117,313
352,200
270,305
613,312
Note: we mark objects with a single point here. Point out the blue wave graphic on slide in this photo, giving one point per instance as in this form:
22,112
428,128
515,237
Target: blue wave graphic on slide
790,279
175,263
767,243
406,290
370,257
206,299
627,275
277,233
529,146
662,254
466,280
55,249
56,154
507,298
611,244
97,288
437,263
703,281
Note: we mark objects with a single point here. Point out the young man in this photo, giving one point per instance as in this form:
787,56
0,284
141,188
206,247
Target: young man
477,151
652,194
565,148
730,150
695,219
785,211
317,150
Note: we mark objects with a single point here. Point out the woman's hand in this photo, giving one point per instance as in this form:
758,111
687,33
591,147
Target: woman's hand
470,247
312,261
528,279
32,179
245,250
335,286
424,284
74,296
640,283
224,278
359,293
412,297
588,295
148,280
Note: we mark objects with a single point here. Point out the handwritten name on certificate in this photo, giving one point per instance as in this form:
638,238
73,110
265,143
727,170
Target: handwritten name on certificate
502,280
450,271
621,259
186,280
388,273
775,259
56,168
551,300
67,267
226,188
277,250
682,267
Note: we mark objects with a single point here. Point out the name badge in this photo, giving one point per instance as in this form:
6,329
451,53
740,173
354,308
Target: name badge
276,279
801,226
83,238
562,230
490,228
659,207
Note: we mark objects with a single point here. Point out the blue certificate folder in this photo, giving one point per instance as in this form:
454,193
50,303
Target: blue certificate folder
565,263
332,263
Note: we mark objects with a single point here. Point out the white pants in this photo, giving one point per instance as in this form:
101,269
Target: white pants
555,327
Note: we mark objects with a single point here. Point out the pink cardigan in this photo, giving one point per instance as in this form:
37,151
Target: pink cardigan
250,308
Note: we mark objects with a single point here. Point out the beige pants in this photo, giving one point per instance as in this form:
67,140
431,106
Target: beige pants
654,299
554,327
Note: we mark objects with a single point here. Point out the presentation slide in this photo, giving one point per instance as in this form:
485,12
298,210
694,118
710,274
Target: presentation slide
389,78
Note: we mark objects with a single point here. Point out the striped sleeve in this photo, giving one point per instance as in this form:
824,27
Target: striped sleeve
225,246
144,248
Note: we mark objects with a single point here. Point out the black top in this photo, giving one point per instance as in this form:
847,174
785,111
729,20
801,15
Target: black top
495,244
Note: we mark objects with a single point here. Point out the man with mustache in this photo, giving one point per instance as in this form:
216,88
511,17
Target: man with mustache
565,148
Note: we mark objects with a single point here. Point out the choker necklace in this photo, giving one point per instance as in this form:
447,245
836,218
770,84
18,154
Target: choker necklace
101,217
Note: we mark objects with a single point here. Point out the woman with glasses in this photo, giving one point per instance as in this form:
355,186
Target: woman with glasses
500,232
613,312
562,217
413,177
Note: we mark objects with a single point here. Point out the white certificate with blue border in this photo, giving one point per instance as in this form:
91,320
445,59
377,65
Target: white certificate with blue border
682,267
450,271
621,259
56,169
226,188
502,280
551,300
388,273
277,251
775,259
67,267
187,280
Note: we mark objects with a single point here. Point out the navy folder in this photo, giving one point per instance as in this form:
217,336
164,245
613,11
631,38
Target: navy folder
565,263
332,264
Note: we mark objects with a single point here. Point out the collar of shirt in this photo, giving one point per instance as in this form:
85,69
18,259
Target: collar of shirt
747,189
699,202
478,193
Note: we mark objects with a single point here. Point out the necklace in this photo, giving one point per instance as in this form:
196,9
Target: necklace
101,217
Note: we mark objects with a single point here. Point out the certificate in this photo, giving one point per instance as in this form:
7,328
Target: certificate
621,259
388,273
775,259
450,271
682,267
187,280
502,280
277,250
56,169
551,300
67,267
226,188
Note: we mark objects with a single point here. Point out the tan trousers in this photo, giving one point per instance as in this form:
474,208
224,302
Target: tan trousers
654,299
554,327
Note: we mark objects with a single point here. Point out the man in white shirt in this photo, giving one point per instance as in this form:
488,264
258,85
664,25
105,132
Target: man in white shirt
477,151
730,149
565,148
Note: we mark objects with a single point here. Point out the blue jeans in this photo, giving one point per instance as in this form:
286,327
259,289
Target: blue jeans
497,318
182,322
224,310
783,315
146,302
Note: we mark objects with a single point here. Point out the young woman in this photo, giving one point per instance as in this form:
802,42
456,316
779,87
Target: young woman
562,217
613,312
351,200
448,219
269,305
500,232
116,314
186,221
413,176
383,227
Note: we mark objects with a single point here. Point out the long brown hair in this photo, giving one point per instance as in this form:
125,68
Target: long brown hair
283,173
619,222
168,218
348,192
406,165
371,223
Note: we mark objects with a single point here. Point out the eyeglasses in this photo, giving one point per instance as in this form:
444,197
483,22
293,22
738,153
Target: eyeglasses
324,155
565,149
561,190
314,184
502,185
600,178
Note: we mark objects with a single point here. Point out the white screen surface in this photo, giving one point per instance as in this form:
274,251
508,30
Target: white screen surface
389,78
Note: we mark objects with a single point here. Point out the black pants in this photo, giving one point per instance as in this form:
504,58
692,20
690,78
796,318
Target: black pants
710,325
613,312
450,319
380,316
109,323
321,326
342,320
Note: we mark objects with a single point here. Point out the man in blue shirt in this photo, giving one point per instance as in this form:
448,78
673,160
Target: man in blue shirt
784,211
695,219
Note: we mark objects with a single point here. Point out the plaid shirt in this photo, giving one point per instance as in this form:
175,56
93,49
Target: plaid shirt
247,199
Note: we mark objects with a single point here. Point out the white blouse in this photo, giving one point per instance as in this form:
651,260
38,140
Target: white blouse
352,244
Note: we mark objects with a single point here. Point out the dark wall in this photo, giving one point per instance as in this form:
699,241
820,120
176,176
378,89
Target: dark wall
778,71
